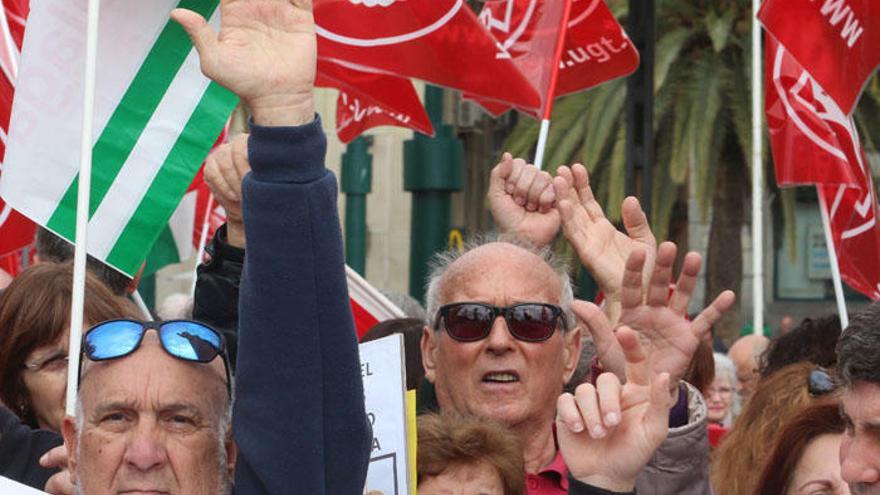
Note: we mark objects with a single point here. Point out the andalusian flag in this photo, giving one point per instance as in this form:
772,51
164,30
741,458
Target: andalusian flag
156,118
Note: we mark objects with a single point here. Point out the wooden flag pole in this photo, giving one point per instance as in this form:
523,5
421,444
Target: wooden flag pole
82,207
551,91
832,260
757,176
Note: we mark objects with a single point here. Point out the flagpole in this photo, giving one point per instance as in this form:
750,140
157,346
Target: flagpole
757,176
551,91
82,207
203,241
832,260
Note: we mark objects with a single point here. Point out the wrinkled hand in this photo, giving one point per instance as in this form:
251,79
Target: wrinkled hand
60,483
600,246
265,52
608,433
225,168
521,199
660,319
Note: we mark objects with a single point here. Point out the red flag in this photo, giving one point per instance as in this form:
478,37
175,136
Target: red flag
369,99
368,305
837,41
813,140
596,47
801,116
16,231
439,41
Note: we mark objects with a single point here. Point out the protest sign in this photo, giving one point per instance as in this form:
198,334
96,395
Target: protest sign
9,487
385,399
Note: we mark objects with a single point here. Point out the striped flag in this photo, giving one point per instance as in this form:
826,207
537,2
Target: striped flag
156,117
368,305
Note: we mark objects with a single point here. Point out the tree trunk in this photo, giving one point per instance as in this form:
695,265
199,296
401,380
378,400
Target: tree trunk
724,258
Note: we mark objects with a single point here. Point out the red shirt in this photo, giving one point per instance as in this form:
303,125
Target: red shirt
552,480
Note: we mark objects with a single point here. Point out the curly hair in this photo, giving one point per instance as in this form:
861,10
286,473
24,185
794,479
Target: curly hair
452,440
812,340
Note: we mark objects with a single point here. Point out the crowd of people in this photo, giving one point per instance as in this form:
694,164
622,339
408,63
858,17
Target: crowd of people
521,388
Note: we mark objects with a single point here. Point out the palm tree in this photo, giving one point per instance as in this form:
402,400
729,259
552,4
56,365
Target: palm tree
702,114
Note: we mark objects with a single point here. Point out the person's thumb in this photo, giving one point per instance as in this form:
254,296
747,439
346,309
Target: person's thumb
203,37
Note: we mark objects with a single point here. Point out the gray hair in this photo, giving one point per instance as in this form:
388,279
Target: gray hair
858,358
444,260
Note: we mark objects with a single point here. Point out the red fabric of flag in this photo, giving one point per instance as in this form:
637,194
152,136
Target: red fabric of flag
16,231
808,130
370,99
596,47
438,41
836,41
813,141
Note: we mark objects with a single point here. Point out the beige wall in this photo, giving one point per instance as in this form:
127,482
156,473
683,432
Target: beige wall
388,209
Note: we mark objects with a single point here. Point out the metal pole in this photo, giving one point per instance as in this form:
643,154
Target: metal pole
356,182
832,260
757,176
640,103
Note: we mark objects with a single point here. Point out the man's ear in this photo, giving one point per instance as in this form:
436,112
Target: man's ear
571,352
429,347
68,431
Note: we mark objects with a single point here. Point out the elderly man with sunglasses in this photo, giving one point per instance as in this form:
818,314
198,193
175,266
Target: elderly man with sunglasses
155,399
503,338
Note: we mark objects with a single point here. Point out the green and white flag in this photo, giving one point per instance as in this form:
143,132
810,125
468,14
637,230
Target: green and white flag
156,118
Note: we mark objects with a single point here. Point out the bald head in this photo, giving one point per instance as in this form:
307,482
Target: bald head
513,261
744,353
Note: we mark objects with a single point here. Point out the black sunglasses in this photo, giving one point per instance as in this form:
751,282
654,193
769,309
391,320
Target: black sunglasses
820,382
183,339
470,321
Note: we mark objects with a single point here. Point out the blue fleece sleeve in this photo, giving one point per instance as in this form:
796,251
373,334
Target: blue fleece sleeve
299,417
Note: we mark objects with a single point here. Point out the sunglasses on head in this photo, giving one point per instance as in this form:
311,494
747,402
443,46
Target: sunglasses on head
470,321
820,382
182,339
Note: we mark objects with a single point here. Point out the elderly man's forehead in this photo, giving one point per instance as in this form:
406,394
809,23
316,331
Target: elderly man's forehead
150,357
502,258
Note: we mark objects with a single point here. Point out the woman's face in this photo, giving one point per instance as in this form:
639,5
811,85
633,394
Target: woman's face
45,378
719,397
818,470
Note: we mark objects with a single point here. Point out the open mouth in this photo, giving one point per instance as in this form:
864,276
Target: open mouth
501,377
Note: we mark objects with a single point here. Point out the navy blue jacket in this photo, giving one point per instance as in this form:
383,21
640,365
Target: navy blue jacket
299,418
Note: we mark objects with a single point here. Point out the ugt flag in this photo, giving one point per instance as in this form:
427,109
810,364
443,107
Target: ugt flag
836,41
438,41
813,141
596,48
156,117
372,99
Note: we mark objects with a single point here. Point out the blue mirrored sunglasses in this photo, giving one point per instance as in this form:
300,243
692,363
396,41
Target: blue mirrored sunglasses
183,339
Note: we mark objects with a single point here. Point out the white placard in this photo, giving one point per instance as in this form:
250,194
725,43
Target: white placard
385,399
9,487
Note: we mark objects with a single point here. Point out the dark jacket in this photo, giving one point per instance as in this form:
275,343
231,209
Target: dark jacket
21,449
299,418
216,298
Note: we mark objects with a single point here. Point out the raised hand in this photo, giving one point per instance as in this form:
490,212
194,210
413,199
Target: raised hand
61,483
600,246
659,318
521,199
608,433
225,168
265,52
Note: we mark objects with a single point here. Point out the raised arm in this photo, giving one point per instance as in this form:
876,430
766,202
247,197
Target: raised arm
299,417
